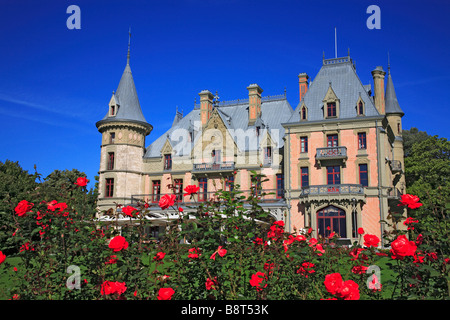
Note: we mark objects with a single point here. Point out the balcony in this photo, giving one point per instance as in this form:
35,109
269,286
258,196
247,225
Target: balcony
331,153
264,196
394,194
396,166
208,167
332,189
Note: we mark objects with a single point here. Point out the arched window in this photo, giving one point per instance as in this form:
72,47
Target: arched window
360,108
303,114
331,219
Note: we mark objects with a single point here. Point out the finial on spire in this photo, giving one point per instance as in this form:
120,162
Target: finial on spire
389,64
129,42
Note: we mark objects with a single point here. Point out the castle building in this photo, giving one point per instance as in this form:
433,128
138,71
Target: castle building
334,163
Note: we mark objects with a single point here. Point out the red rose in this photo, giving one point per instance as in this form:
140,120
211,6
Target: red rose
256,280
360,231
167,200
402,247
409,222
191,189
2,257
118,243
371,240
210,284
111,287
333,282
410,200
359,269
193,253
23,207
165,293
349,290
112,260
220,251
128,211
306,268
81,182
279,223
159,256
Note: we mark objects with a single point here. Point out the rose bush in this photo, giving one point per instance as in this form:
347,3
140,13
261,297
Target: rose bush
226,248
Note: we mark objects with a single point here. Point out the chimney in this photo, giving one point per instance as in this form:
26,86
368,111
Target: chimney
303,84
378,83
254,103
206,99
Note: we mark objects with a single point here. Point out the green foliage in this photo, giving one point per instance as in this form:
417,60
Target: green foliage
213,251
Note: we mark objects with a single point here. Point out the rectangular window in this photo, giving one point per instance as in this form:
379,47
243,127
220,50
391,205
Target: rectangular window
229,183
304,179
267,155
167,162
362,140
303,144
110,165
216,156
363,175
156,190
112,137
256,185
203,192
109,190
280,186
334,175
332,140
331,109
179,189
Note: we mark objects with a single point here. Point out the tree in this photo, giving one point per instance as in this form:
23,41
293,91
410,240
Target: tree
427,172
411,137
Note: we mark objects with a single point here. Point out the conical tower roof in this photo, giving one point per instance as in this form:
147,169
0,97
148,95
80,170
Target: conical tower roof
129,108
392,105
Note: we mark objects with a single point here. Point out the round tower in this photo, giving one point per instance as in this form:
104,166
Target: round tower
123,130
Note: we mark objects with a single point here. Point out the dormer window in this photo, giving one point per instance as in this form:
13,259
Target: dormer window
168,162
360,107
330,104
113,110
303,113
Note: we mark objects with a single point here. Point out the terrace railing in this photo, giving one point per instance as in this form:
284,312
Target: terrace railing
330,189
152,200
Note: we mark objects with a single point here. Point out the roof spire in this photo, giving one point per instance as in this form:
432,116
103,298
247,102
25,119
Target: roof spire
129,42
389,64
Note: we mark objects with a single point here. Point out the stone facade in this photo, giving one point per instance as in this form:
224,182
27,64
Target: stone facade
334,163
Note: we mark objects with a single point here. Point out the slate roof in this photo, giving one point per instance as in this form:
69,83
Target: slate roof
235,117
391,105
340,73
128,101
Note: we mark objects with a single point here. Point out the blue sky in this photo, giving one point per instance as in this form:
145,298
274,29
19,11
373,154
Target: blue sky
55,83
